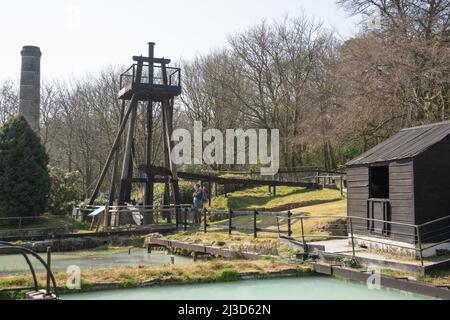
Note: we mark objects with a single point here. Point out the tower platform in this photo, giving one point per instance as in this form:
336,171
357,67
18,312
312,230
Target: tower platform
166,83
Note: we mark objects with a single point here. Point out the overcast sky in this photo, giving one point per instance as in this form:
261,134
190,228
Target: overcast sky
80,36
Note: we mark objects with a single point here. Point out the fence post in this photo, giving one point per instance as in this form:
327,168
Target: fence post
176,219
255,230
341,185
73,224
105,219
185,218
353,239
20,225
419,243
289,214
230,215
305,246
49,262
204,219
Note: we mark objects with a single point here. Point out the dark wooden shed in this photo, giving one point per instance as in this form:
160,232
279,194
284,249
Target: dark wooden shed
405,179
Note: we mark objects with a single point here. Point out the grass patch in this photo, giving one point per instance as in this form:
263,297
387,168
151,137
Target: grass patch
200,272
438,277
266,243
259,197
311,226
46,221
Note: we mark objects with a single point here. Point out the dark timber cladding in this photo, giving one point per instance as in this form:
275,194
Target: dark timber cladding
416,165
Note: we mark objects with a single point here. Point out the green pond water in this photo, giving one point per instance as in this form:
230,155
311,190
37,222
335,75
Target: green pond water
302,288
15,264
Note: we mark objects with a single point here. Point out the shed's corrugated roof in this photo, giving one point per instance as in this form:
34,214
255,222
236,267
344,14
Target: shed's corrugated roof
405,144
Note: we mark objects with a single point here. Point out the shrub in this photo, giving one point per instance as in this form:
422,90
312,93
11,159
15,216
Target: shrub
228,274
24,177
186,190
350,262
65,191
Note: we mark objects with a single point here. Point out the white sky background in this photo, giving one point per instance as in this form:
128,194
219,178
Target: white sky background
83,36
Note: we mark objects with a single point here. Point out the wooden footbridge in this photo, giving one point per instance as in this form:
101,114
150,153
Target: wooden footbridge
197,249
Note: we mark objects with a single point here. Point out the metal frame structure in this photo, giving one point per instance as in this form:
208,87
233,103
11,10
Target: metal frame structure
48,293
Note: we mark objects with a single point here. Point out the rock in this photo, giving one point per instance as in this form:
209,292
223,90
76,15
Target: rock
150,282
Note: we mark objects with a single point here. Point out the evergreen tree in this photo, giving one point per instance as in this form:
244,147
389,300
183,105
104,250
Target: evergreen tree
24,177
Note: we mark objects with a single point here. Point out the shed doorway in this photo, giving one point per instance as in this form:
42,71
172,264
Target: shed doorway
379,182
378,203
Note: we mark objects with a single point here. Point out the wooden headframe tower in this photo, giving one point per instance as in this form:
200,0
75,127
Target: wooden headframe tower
152,81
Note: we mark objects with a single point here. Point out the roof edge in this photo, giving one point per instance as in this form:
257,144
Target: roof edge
435,124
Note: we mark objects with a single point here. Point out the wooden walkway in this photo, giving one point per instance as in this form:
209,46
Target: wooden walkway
155,170
198,249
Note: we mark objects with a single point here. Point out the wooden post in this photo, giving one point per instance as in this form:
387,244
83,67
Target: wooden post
289,214
185,218
353,240
149,190
148,193
124,183
127,165
73,223
341,186
204,219
133,105
274,191
106,218
177,219
112,190
20,225
230,215
167,111
209,192
255,230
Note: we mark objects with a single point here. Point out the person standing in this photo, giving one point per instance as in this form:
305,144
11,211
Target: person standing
197,199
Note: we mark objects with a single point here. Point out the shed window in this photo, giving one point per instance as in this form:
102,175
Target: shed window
379,182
